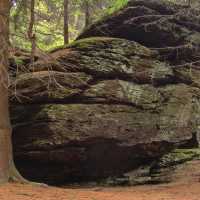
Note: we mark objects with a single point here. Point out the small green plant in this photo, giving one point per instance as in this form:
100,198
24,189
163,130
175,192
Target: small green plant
117,6
18,61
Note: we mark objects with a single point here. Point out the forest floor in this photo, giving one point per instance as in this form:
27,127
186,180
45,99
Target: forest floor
189,191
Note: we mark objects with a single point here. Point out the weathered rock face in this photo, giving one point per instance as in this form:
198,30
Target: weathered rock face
48,86
106,108
173,29
180,166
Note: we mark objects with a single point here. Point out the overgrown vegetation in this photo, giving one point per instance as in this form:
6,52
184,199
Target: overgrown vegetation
49,19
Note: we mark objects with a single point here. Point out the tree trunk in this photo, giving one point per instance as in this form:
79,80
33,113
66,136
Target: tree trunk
31,34
66,22
87,13
7,167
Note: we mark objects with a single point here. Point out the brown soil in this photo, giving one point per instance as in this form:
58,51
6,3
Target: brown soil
189,191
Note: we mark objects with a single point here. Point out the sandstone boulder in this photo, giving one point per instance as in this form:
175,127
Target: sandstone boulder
107,107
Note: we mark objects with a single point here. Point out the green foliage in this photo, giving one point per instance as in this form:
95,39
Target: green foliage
18,61
49,14
117,5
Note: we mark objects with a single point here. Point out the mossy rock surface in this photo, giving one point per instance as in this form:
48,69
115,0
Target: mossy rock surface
101,108
178,166
179,156
156,24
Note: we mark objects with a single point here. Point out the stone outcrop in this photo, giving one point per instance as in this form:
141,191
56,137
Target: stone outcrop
172,29
103,107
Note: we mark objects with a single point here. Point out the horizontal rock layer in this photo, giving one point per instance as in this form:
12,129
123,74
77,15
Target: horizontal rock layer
103,107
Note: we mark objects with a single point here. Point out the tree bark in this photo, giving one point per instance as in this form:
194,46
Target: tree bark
7,167
87,13
31,34
66,22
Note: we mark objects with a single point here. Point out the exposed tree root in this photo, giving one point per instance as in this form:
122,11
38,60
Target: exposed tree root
16,177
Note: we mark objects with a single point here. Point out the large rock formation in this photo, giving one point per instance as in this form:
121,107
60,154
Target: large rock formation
112,108
108,108
172,29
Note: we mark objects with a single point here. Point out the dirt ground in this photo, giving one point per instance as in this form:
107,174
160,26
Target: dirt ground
189,191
